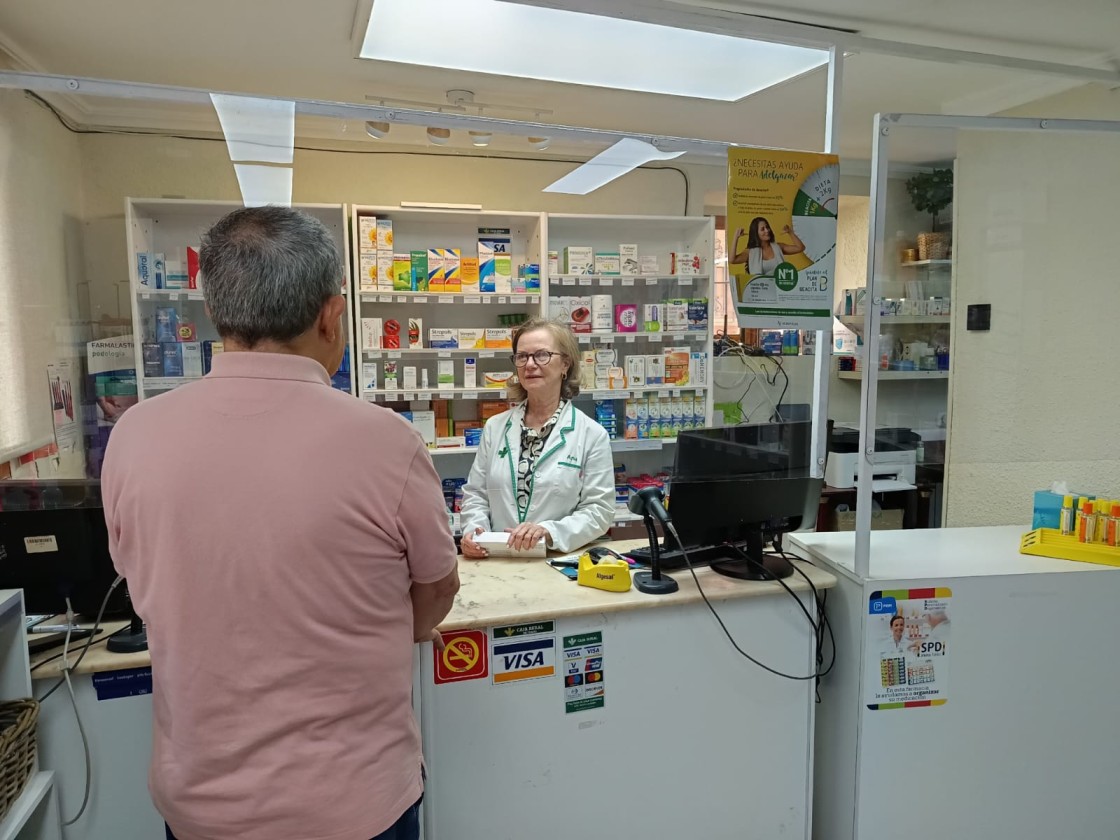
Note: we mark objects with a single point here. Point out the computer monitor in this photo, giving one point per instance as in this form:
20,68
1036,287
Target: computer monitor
59,551
735,486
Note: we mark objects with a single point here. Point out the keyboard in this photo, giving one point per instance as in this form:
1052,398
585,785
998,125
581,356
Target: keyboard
673,558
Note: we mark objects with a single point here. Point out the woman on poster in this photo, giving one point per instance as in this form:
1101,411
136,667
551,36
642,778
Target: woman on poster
762,254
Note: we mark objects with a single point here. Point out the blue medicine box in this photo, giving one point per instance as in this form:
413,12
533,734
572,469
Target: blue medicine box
1048,508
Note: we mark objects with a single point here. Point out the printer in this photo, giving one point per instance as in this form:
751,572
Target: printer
895,459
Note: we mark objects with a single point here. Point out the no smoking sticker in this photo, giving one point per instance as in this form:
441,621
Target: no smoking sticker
463,658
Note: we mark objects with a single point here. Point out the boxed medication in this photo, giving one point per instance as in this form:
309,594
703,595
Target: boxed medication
495,260
579,259
451,269
472,338
194,274
651,317
192,358
497,378
172,358
367,234
628,259
445,374
581,313
649,265
384,235
369,377
425,423
153,359
391,335
371,333
367,271
167,324
499,338
468,275
415,333
391,368
435,270
676,315
553,263
403,280
626,317
677,361
698,314
210,349
470,372
385,277
635,371
443,338
408,380
698,368
419,261
607,263
655,369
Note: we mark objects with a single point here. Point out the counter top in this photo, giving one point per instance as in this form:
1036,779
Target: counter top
500,591
936,553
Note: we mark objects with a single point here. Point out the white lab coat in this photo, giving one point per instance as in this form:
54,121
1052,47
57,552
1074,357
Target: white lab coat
573,483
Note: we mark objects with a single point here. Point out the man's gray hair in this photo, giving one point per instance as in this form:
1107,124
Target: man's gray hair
266,273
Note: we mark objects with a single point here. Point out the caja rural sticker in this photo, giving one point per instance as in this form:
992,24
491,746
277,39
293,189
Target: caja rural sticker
584,686
523,652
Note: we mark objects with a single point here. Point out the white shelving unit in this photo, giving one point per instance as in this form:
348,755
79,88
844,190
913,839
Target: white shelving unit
35,814
896,375
655,236
169,226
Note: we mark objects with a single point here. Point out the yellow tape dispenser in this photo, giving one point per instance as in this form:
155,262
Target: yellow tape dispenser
608,573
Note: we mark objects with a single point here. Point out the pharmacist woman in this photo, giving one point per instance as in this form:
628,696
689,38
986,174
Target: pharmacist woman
544,469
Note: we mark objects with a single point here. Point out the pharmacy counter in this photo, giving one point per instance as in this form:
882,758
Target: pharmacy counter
993,716
668,729
596,714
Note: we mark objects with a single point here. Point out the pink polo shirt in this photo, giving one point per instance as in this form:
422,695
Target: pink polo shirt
270,529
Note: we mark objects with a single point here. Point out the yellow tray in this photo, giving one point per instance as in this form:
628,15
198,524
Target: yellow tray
1050,542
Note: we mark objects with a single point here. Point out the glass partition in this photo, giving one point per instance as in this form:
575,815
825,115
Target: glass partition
985,374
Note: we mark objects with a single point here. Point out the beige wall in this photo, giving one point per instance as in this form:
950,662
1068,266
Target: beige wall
40,264
118,167
1034,399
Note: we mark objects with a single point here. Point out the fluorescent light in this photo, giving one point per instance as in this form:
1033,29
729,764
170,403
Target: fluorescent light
439,136
261,185
376,130
257,129
488,36
624,156
480,138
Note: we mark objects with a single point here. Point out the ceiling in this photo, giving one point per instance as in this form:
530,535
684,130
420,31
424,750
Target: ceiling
300,49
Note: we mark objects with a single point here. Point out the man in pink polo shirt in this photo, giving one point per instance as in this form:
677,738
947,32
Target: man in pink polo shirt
286,544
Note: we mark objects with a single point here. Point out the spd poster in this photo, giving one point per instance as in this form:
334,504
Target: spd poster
781,236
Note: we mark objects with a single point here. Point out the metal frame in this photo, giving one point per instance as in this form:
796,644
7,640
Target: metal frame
876,267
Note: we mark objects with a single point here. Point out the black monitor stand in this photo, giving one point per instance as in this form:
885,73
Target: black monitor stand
756,565
131,639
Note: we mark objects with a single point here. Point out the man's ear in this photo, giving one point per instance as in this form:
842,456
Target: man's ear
331,313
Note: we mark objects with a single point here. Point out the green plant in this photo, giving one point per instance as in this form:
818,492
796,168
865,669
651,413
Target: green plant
931,192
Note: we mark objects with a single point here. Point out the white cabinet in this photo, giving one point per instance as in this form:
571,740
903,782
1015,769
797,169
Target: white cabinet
169,227
34,815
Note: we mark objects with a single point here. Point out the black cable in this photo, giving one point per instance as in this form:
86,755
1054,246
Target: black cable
684,552
89,639
73,129
823,623
50,659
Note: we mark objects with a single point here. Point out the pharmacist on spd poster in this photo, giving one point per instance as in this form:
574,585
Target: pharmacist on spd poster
781,237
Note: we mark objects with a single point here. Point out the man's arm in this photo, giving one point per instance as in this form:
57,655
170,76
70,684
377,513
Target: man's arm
431,602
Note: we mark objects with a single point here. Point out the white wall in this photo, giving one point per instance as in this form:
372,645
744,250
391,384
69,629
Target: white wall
40,265
1034,399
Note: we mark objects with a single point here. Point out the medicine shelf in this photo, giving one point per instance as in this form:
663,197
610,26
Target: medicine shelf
488,353
507,299
628,337
630,393
630,279
167,383
644,445
401,395
855,322
925,263
169,294
892,375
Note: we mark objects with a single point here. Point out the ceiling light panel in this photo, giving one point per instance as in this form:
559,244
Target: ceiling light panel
507,39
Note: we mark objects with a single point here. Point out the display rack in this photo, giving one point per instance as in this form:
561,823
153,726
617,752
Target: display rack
169,226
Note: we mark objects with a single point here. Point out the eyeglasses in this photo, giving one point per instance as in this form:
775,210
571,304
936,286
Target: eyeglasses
541,357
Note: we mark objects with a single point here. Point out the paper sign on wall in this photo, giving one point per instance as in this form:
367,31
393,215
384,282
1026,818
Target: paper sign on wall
781,236
907,648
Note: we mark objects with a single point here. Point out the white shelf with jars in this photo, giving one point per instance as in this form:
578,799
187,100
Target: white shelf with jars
173,336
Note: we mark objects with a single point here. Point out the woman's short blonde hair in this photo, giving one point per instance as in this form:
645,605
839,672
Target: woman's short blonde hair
565,343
